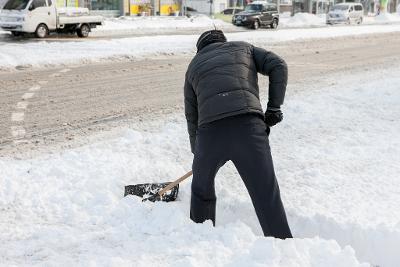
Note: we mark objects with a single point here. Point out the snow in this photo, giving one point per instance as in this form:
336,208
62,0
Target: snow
310,20
44,53
387,17
303,20
151,24
143,25
336,156
72,11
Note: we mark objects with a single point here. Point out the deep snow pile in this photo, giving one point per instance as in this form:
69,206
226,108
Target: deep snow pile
336,156
42,53
151,24
303,20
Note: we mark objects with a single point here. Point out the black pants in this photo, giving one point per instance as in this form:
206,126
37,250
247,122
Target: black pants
243,140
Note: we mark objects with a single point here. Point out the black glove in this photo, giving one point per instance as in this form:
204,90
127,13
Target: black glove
273,116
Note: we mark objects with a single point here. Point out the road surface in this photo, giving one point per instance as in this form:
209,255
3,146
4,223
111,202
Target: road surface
59,107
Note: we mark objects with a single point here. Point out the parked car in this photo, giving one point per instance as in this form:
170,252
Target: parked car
345,13
42,16
231,11
258,14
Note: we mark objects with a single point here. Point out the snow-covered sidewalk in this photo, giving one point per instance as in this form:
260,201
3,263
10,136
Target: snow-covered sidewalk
336,156
42,53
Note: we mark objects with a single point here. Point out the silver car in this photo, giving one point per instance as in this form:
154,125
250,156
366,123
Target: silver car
345,13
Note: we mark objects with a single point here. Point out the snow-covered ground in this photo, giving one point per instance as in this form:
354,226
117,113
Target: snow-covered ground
42,53
146,25
151,24
336,156
301,20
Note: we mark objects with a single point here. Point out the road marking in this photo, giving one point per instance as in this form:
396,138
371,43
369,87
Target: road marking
22,105
17,116
27,95
64,70
34,88
18,131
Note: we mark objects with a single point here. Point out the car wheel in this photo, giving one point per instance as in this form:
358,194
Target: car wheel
360,21
256,24
83,31
274,24
348,21
41,31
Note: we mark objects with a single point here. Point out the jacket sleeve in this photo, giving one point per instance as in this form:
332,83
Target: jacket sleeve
191,112
270,64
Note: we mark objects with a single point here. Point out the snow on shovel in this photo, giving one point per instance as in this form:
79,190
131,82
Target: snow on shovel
157,191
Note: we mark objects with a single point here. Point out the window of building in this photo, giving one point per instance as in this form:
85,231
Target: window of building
104,4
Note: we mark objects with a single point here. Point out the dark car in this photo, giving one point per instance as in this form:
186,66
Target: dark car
231,11
257,14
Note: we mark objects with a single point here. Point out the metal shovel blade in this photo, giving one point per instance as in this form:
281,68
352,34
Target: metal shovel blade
150,191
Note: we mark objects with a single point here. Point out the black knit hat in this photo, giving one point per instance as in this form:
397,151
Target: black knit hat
209,37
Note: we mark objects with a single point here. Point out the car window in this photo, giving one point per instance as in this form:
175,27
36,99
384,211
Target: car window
351,9
253,7
264,8
358,8
37,3
271,8
16,4
49,3
228,11
339,7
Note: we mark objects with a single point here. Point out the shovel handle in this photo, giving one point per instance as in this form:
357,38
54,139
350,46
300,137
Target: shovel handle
174,183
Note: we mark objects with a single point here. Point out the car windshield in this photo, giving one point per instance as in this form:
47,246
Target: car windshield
253,8
16,4
339,7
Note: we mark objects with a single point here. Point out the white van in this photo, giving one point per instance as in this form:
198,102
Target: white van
42,16
345,13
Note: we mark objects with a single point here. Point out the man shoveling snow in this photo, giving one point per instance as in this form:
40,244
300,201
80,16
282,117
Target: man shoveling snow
226,122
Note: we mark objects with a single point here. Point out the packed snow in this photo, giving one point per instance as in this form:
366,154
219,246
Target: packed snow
336,156
53,52
151,24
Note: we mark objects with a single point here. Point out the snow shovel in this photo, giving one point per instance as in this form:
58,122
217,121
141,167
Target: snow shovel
157,191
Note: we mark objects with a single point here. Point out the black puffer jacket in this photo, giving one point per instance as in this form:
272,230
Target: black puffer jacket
221,81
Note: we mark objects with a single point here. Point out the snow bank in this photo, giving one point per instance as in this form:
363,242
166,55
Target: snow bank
43,53
336,159
158,24
387,17
303,20
150,22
